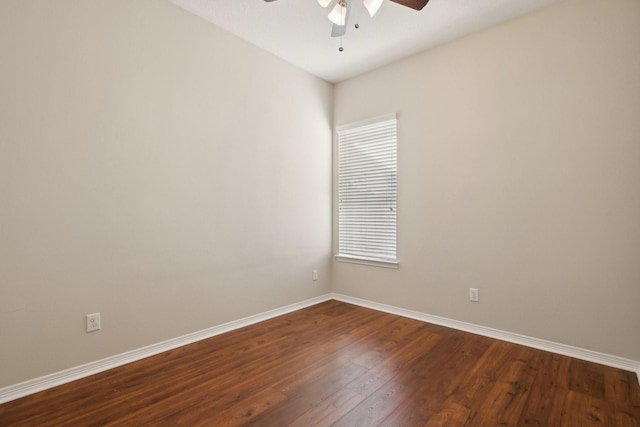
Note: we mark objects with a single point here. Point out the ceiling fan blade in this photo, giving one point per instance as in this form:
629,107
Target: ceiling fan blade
413,4
269,1
341,30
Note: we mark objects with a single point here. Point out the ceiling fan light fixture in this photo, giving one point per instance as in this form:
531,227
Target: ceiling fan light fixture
338,14
324,3
372,6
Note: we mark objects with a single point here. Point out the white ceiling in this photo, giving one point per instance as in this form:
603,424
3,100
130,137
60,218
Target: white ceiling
299,32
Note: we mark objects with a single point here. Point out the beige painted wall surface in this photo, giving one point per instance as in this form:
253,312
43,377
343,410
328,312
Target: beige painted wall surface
519,174
152,168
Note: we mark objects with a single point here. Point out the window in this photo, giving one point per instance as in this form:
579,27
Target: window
367,191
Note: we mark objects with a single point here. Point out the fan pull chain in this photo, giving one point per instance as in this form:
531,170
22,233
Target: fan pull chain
344,22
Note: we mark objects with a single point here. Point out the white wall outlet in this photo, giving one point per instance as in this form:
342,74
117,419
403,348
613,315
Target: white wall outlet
93,322
314,275
474,295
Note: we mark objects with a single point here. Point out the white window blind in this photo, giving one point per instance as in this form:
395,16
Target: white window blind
367,190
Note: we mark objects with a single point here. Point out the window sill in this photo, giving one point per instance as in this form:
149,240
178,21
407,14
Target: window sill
366,261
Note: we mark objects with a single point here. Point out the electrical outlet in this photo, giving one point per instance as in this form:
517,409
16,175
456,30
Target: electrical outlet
314,275
474,295
93,322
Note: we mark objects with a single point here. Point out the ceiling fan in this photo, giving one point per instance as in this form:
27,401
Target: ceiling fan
339,15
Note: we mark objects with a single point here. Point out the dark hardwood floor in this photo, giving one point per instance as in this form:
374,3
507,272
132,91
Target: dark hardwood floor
343,365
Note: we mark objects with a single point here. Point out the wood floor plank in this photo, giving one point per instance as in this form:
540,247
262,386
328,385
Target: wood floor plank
405,386
374,409
505,402
548,392
236,414
343,365
440,375
330,410
480,378
313,394
587,378
585,410
620,388
451,414
402,359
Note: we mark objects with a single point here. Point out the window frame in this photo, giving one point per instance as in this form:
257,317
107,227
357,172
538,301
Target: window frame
355,258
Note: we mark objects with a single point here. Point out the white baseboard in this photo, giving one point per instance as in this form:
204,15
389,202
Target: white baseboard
35,385
553,347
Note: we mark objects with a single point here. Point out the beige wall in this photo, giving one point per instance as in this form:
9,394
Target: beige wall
155,169
519,174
